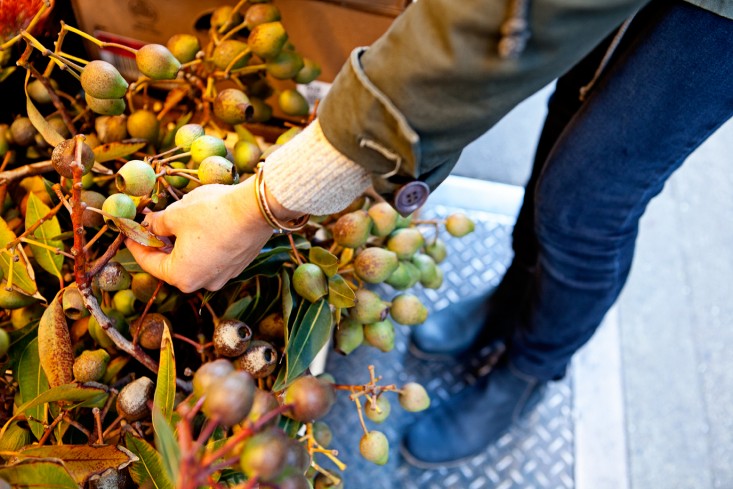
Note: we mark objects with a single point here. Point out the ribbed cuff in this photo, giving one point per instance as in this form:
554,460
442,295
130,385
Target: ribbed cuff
309,175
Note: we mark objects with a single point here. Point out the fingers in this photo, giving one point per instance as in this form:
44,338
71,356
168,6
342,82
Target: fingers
152,260
158,223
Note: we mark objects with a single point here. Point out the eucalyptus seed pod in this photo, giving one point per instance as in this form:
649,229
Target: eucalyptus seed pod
352,230
91,365
272,327
413,397
375,265
264,402
113,277
380,335
405,242
259,360
73,303
209,373
298,456
407,309
144,285
264,454
349,335
374,447
369,308
231,337
405,276
437,250
428,269
150,330
384,217
378,411
322,433
311,398
54,345
132,401
64,155
229,399
459,225
310,282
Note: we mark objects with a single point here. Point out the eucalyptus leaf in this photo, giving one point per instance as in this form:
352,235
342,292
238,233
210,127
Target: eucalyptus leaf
32,474
32,382
136,232
340,295
46,130
15,438
47,259
165,441
287,302
237,308
118,149
290,426
165,389
24,280
148,471
268,265
306,341
327,261
124,257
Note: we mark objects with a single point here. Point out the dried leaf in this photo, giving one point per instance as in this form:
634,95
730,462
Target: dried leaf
32,474
54,344
32,383
165,389
47,259
136,232
83,461
45,129
148,470
328,262
117,149
339,293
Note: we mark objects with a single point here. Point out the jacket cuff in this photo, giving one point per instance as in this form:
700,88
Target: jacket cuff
389,147
309,175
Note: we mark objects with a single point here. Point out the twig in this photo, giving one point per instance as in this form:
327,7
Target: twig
98,425
25,171
49,429
107,256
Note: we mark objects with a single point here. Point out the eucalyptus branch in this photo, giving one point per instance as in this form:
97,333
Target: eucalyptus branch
25,171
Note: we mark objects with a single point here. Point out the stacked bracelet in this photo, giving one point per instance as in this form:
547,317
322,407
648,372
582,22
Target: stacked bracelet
274,222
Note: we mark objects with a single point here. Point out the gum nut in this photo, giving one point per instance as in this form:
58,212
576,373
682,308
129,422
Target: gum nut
403,222
380,335
58,124
136,178
184,47
437,250
405,242
143,124
157,62
261,13
149,331
229,399
120,205
217,169
177,181
228,51
293,480
23,131
231,337
309,72
232,106
64,155
102,80
374,447
310,282
285,65
293,103
349,335
374,265
435,281
187,134
352,230
377,411
408,310
322,481
264,454
226,17
96,331
298,457
10,299
427,267
288,135
405,276
272,327
322,433
210,373
262,111
93,140
90,198
246,156
369,308
260,359
264,402
124,302
73,303
413,397
144,285
90,366
384,218
39,93
4,342
132,401
113,277
266,40
105,106
310,398
459,225
111,128
206,146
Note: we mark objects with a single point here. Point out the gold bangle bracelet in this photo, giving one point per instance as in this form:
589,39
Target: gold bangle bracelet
267,214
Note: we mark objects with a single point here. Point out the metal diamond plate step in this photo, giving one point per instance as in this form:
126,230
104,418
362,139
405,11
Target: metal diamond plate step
537,454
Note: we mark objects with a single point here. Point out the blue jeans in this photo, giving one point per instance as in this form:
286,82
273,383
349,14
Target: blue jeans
667,87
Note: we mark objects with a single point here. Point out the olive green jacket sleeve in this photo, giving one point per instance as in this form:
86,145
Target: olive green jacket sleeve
405,107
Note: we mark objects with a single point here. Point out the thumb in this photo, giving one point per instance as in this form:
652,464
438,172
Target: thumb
152,260
158,223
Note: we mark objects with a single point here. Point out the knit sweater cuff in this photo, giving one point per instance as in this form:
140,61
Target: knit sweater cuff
309,175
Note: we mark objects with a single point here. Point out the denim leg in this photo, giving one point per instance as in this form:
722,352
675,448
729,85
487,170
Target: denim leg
667,88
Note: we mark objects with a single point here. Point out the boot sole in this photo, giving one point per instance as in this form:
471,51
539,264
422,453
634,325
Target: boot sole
420,464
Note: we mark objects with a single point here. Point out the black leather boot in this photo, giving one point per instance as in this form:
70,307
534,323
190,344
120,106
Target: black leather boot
464,328
476,417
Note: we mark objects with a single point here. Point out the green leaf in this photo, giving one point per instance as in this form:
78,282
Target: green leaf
267,296
32,383
49,261
328,262
289,426
24,280
306,341
19,339
165,389
268,265
339,293
165,440
6,72
46,130
287,302
15,438
83,461
32,474
113,368
117,149
124,257
148,470
237,308
136,232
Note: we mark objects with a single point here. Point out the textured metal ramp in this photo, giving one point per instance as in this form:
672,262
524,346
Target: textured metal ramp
539,454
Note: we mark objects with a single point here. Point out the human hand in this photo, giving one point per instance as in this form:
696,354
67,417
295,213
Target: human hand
218,231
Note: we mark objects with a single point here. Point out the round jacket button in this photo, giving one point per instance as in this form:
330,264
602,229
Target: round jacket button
410,197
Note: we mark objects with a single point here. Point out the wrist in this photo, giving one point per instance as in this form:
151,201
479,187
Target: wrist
280,211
